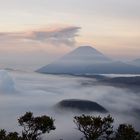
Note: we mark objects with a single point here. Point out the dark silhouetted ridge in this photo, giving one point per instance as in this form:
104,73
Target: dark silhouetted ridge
81,105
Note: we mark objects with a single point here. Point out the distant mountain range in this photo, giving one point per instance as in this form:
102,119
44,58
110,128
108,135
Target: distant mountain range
87,60
136,62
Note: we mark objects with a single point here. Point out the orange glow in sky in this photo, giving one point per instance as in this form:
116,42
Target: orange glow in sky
31,26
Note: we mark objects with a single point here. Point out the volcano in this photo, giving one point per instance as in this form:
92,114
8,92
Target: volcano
87,60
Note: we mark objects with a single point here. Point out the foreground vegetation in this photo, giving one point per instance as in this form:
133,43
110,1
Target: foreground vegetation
92,128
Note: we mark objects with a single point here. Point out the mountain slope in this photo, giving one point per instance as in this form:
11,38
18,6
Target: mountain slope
85,54
136,62
87,60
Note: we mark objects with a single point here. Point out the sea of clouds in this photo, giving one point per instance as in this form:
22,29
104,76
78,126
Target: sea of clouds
23,91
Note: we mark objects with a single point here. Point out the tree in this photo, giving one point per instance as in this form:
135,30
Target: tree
126,132
34,127
13,136
2,134
9,136
94,127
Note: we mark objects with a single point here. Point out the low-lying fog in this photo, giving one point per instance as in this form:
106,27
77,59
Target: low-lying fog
21,92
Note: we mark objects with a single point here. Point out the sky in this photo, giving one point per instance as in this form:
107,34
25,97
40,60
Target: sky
34,33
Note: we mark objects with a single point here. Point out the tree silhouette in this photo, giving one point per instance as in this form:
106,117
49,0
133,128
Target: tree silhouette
9,136
126,132
94,127
2,134
34,127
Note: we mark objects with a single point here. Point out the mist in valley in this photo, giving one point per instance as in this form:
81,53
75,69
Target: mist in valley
39,93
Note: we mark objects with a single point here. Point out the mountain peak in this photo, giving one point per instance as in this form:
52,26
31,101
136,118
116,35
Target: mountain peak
85,54
86,49
86,59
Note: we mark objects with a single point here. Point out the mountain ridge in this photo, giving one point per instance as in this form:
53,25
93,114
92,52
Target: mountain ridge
136,62
87,60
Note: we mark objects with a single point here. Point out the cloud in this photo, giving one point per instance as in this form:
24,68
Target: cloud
6,82
34,48
39,93
58,36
